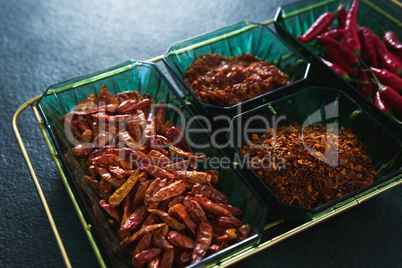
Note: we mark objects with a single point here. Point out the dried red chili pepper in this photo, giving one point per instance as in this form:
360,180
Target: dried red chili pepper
112,211
155,262
388,79
179,212
181,240
169,191
140,233
229,223
209,192
191,176
196,212
117,197
351,37
157,172
204,238
130,106
233,210
161,242
230,234
167,258
392,41
175,224
211,207
389,60
147,254
136,218
319,26
177,151
139,195
243,232
176,137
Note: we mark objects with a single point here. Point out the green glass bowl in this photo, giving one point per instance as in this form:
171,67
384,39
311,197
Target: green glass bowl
145,78
239,38
294,19
316,105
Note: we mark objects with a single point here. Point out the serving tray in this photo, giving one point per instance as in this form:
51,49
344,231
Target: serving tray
276,228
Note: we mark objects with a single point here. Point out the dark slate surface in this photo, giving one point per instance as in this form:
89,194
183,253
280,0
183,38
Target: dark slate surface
46,42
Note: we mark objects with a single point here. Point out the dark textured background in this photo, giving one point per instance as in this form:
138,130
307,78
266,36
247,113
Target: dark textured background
46,42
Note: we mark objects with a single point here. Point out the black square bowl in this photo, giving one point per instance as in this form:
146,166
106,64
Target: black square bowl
145,78
310,105
243,37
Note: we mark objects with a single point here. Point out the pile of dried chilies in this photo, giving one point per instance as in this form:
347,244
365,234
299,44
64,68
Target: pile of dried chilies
358,55
143,169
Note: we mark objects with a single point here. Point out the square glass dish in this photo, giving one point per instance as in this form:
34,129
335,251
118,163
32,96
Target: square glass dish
312,105
255,39
294,19
144,78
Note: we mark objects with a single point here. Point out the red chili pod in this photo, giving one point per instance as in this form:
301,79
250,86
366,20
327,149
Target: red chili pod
335,33
341,72
389,60
388,79
345,52
392,41
351,37
380,104
341,17
204,238
368,49
339,60
319,26
366,87
392,99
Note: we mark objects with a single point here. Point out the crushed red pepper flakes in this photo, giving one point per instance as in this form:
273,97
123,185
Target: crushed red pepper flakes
303,179
224,81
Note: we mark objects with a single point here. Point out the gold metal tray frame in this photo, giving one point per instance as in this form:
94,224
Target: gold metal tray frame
263,244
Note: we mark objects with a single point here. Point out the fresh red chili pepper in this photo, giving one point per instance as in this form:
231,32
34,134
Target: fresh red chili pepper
380,104
341,72
351,38
368,49
335,33
341,17
389,60
347,54
367,88
388,79
392,41
319,26
340,60
392,99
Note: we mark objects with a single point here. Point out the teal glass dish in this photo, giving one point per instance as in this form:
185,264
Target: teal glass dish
326,106
145,78
294,19
239,38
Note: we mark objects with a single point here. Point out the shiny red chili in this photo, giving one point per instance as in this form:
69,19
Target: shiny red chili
388,79
319,26
350,37
368,49
389,60
392,41
392,99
